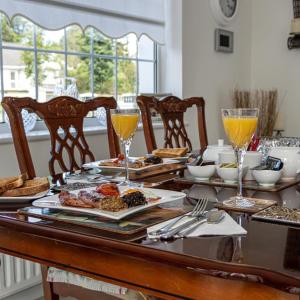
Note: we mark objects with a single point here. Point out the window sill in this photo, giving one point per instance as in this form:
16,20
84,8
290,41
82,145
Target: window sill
43,135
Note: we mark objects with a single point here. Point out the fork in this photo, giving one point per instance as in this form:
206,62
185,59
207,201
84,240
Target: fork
165,229
193,214
198,214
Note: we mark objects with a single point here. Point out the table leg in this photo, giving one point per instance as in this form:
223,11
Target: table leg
48,286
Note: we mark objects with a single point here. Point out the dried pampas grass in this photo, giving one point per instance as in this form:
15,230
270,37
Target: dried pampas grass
265,101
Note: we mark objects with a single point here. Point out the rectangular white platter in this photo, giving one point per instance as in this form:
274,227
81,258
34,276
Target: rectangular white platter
95,164
23,199
165,197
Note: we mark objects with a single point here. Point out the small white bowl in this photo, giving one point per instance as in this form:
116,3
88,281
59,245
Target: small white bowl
266,177
230,175
202,172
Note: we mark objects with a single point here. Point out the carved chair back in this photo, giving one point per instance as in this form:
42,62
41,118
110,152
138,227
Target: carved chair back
172,109
64,117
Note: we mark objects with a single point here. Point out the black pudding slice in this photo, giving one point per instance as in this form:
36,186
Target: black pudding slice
153,160
134,199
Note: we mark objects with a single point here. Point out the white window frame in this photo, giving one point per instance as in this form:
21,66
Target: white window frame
4,128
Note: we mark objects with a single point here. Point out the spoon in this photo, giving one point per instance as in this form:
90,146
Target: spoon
198,160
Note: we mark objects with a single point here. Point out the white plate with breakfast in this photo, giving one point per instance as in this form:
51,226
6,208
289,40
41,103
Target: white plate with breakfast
109,200
18,189
159,157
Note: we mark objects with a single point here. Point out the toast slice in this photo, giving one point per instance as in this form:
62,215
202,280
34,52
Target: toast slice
170,152
13,182
30,187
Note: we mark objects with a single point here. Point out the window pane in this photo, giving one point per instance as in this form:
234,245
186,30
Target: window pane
19,33
146,77
50,39
78,67
77,41
126,83
19,65
102,44
18,73
127,46
145,48
50,70
103,77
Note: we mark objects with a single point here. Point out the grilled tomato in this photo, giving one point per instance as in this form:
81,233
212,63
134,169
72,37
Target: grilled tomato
108,189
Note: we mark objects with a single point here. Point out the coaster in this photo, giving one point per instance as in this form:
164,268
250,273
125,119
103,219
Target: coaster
259,204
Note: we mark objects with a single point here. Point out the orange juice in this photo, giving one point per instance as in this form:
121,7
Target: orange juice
125,124
240,129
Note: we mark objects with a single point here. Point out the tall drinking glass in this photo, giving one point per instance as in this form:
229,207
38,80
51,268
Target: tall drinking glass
125,122
240,125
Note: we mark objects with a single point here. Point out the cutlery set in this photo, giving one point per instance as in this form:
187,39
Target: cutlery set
197,216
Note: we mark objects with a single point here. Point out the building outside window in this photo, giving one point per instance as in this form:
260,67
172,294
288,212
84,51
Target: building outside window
35,62
13,79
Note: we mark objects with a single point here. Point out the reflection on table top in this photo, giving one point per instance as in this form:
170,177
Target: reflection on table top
267,245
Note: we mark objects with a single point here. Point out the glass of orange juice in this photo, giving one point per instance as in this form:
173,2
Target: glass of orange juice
125,122
240,125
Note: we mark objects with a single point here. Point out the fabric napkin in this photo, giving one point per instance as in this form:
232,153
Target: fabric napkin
226,227
57,275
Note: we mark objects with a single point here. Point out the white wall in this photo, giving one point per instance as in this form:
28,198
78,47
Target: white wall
273,65
260,60
191,67
212,74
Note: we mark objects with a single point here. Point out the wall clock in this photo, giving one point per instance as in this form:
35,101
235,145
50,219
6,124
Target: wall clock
224,11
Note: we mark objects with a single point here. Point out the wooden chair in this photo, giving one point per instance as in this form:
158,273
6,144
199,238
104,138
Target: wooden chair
171,110
64,118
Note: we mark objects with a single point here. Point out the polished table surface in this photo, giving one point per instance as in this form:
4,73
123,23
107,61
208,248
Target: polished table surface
268,256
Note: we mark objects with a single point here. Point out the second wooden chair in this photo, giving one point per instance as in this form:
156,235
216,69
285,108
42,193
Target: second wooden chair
172,109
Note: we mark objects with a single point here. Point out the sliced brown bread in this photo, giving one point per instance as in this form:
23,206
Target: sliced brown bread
13,182
30,187
170,152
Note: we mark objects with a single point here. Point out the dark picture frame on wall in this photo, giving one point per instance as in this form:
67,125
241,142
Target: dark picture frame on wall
224,40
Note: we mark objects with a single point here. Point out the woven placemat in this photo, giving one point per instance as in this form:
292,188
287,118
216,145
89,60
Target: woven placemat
278,214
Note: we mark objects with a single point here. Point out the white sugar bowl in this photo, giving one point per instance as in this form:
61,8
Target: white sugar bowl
252,159
266,177
212,151
230,175
202,173
290,157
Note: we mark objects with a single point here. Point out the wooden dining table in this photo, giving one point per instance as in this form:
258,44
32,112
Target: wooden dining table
263,264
